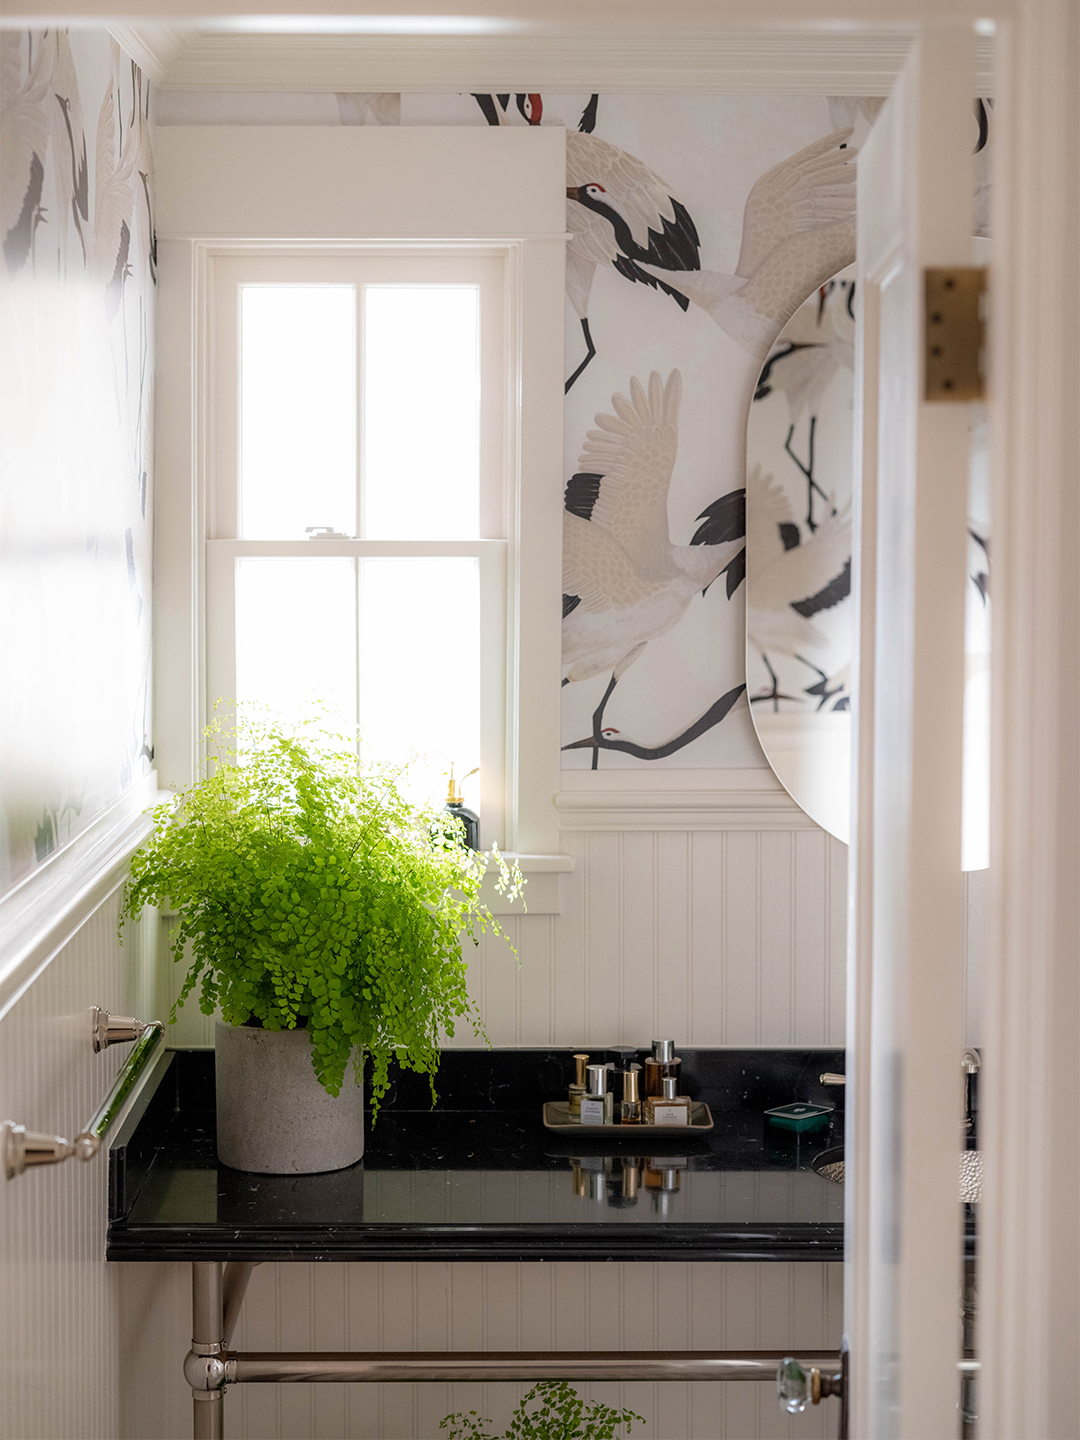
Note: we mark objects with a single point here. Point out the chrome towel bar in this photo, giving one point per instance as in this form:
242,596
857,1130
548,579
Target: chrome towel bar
22,1149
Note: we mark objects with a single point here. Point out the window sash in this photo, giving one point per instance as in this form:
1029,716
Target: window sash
483,266
403,265
492,558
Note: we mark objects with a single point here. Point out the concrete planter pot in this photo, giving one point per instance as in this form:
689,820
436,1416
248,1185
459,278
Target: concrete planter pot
273,1116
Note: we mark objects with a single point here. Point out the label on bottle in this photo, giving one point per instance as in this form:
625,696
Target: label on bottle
668,1114
592,1111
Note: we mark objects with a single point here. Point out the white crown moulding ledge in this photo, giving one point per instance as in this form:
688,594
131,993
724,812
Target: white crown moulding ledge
637,59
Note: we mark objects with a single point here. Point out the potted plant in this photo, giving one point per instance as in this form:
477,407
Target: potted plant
322,915
559,1413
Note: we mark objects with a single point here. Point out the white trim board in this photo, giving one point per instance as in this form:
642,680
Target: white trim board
284,182
722,800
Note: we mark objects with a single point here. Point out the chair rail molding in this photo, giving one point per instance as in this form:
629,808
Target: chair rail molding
719,799
40,915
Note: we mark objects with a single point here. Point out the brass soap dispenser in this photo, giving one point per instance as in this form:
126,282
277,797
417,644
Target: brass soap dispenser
455,804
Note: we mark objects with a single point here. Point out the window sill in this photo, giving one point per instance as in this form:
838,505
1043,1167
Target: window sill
543,892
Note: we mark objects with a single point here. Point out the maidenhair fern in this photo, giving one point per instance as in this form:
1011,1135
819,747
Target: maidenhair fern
310,892
557,1413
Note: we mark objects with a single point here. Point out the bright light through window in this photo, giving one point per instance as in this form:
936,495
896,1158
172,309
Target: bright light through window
421,377
297,409
296,633
420,666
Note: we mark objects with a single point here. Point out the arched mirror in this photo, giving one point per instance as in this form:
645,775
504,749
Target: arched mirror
800,620
799,612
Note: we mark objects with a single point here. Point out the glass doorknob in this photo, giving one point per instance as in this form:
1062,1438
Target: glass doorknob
792,1386
798,1386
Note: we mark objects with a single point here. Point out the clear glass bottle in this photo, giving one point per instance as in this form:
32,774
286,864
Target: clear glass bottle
630,1109
597,1104
577,1086
662,1064
668,1108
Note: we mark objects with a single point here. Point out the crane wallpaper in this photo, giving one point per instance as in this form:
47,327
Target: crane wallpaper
76,353
698,225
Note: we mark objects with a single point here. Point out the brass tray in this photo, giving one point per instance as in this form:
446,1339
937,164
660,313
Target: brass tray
557,1117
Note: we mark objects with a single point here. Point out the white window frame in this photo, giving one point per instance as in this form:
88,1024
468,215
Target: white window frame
359,267
225,192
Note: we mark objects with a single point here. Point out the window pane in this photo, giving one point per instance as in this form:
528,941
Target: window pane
420,667
421,411
296,633
297,409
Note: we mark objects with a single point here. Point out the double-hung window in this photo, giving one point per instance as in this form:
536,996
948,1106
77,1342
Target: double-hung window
359,449
359,505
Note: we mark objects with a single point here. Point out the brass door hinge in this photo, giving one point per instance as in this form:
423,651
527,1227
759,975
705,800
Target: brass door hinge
956,300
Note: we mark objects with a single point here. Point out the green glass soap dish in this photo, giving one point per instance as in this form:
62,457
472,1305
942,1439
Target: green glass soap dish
800,1116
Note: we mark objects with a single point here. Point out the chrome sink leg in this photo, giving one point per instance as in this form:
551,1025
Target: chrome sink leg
204,1368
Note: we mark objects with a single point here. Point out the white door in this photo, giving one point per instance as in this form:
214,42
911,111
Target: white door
906,944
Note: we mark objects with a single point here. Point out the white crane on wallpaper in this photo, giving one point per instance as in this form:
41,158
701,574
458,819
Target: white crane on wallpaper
620,212
798,231
624,582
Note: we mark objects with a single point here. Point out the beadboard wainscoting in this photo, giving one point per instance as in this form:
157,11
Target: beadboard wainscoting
436,1306
715,937
59,1336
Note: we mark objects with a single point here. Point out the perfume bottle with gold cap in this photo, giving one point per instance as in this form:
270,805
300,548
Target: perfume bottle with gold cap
577,1087
630,1110
455,804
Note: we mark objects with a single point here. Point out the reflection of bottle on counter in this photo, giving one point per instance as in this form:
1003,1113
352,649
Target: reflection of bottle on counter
662,1181
662,1175
455,804
631,1179
661,1064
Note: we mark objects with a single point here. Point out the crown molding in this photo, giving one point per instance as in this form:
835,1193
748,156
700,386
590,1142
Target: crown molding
153,48
635,59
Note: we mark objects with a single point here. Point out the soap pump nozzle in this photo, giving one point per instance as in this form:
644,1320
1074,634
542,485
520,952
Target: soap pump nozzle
453,791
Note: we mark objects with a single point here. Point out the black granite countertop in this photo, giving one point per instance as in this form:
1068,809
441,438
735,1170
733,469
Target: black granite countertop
479,1178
